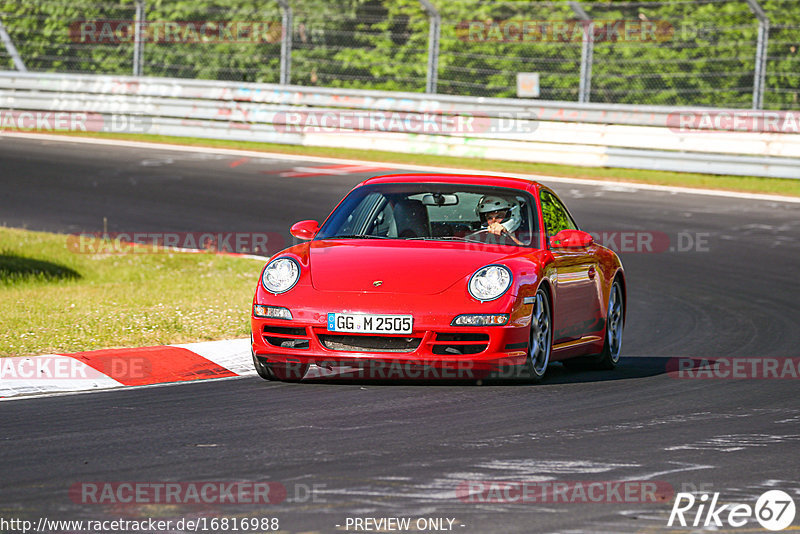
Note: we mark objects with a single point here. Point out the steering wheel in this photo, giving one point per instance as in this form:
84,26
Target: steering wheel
484,232
478,232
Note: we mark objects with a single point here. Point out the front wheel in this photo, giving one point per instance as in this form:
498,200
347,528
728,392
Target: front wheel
287,372
262,369
541,337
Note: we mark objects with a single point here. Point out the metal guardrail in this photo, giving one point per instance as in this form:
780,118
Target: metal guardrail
536,131
671,52
336,98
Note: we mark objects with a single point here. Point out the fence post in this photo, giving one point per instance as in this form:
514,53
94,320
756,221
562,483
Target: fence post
138,38
286,42
587,52
12,50
435,24
760,75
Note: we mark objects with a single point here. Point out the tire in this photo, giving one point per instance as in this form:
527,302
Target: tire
612,344
263,370
540,344
615,323
278,371
291,373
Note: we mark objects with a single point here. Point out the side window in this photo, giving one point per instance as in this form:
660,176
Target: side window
382,223
555,215
357,219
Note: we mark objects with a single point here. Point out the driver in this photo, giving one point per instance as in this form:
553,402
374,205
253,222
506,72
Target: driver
501,217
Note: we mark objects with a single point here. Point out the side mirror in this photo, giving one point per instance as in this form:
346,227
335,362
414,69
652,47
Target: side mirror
571,239
305,229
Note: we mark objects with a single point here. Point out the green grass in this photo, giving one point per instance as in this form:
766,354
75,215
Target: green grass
748,184
54,300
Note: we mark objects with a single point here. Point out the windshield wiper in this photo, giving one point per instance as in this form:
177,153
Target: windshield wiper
444,238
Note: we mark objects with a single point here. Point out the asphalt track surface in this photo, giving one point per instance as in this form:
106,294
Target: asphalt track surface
402,450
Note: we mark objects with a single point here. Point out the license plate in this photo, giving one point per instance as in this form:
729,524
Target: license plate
370,323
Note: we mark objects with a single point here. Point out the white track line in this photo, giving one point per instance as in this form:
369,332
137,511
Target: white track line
422,168
120,388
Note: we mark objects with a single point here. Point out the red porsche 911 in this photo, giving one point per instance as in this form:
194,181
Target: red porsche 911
420,276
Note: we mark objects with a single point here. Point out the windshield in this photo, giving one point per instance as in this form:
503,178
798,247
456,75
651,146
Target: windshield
445,212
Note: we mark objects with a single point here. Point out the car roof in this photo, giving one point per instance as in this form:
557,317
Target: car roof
471,179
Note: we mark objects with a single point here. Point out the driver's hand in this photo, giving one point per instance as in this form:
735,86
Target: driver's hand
497,229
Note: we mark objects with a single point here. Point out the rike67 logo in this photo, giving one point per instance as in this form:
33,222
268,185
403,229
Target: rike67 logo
774,510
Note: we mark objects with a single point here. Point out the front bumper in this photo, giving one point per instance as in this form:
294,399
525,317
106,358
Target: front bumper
434,349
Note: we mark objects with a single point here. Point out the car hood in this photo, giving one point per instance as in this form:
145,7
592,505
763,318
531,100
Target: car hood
415,267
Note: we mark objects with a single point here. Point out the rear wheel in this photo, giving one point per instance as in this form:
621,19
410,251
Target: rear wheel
541,337
612,346
615,319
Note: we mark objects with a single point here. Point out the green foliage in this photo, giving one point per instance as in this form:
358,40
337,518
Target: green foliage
56,300
554,215
703,53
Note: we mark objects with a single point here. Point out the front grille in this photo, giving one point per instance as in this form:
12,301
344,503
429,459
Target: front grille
459,343
369,343
286,337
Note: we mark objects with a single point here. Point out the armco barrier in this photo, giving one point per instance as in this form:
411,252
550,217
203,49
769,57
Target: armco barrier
593,135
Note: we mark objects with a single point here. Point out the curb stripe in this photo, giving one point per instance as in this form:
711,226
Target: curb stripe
152,365
80,372
231,354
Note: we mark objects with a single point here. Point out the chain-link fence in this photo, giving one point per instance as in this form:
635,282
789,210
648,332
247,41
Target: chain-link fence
723,53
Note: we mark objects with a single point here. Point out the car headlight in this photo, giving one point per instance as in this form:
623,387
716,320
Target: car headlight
280,275
490,282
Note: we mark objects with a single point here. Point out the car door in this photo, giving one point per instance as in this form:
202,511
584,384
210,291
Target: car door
576,281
